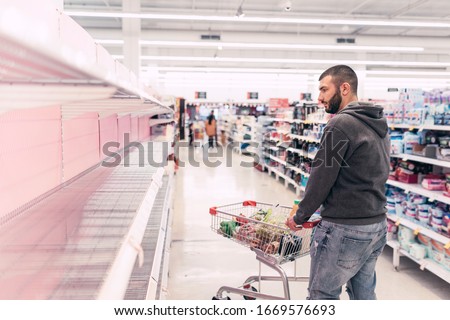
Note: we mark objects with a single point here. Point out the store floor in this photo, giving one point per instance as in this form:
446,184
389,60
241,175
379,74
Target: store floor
201,261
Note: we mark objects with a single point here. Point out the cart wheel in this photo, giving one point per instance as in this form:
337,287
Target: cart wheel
253,289
226,298
396,269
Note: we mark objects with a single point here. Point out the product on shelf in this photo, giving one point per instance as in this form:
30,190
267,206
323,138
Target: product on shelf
409,171
432,215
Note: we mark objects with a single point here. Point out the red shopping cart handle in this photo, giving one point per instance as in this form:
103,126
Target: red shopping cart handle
213,211
249,203
310,224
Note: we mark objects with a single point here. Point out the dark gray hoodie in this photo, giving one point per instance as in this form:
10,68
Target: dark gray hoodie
350,169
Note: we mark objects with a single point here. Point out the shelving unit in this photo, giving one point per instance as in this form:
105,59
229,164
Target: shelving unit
155,122
417,188
420,128
304,138
80,239
275,148
437,162
303,153
236,135
426,263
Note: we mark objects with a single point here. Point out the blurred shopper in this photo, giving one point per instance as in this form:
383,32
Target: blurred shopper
191,133
211,129
348,179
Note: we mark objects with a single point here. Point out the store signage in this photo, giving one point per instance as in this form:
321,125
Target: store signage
252,95
305,96
392,89
200,95
278,103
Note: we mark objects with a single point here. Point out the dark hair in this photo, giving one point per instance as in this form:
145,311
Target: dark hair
340,74
210,118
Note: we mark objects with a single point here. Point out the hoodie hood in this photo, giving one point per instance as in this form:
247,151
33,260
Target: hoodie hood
371,115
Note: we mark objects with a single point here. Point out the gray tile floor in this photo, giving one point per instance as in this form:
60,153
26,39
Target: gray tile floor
201,261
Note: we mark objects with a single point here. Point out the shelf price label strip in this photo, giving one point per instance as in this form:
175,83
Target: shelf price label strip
423,264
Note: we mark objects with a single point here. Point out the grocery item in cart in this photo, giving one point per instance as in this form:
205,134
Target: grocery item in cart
294,208
228,228
261,227
290,246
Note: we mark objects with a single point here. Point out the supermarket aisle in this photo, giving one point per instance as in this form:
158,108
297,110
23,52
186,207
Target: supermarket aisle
202,261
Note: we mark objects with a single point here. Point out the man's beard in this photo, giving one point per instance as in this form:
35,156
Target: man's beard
334,103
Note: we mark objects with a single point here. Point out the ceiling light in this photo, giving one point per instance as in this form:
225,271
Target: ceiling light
407,73
237,70
309,72
278,46
324,21
299,61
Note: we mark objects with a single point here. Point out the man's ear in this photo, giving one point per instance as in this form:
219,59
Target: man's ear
345,88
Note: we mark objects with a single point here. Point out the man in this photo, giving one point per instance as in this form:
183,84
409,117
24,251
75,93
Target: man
348,179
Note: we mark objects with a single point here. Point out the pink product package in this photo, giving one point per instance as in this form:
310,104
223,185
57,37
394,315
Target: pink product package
434,184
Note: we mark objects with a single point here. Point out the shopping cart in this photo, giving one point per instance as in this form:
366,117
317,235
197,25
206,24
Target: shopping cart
261,227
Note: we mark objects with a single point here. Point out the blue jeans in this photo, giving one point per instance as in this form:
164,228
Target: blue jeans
345,254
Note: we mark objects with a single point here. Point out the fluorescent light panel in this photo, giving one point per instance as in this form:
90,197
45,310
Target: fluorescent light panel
237,70
297,61
246,19
289,71
408,73
243,45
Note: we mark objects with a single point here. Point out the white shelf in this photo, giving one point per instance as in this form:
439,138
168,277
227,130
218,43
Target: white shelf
287,165
420,229
99,223
300,121
278,160
432,161
154,122
304,138
416,188
421,127
299,171
282,120
66,56
426,263
286,178
286,132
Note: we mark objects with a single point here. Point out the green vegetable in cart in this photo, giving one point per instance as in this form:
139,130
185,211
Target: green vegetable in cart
261,214
267,215
228,228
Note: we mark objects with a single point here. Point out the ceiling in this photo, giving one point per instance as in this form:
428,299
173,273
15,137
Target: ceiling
164,45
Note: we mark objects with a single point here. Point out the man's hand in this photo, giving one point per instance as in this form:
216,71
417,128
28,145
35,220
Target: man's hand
291,224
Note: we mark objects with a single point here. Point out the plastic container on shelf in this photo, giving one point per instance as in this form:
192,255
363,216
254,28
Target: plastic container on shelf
294,208
410,140
396,142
